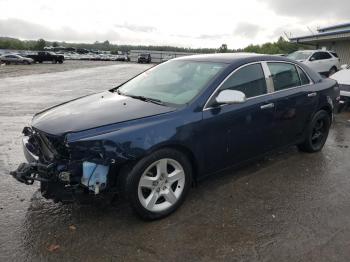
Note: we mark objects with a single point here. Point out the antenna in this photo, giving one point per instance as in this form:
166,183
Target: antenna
286,35
311,31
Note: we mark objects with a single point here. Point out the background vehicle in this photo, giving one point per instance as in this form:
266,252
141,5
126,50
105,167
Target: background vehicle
144,58
343,79
122,57
167,57
178,122
324,62
44,56
15,59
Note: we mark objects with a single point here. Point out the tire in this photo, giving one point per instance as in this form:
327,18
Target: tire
332,71
316,133
61,61
150,186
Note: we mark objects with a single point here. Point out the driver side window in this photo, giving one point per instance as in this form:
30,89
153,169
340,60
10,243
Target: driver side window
250,80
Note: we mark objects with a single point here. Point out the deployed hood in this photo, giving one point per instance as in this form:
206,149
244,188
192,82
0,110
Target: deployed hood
94,111
343,77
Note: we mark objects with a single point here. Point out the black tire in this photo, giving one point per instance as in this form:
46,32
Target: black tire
61,61
316,133
332,71
130,178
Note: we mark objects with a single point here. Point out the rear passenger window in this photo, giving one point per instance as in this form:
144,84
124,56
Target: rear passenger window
325,55
334,54
303,77
284,75
250,80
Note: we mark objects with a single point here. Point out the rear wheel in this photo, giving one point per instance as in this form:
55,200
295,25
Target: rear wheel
158,184
317,132
332,71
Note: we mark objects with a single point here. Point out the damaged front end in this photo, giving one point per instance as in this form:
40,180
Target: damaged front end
62,178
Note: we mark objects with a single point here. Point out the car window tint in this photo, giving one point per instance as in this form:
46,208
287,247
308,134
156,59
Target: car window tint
284,75
250,80
316,56
325,55
303,77
335,54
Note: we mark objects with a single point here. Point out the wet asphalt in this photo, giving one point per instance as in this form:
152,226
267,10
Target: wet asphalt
288,206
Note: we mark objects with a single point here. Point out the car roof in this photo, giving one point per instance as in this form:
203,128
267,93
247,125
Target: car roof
236,60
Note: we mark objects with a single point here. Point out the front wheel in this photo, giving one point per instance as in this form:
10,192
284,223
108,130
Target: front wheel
316,133
158,184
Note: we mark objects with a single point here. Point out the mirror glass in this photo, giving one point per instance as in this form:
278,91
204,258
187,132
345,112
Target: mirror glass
230,97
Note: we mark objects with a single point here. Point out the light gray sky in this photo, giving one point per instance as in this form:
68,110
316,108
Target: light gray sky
183,23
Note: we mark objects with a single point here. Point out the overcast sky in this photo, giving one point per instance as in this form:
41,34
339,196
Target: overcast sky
183,23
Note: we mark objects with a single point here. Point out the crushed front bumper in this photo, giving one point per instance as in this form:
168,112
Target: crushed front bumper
60,179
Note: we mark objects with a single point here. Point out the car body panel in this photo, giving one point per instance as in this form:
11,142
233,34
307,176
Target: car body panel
116,130
93,111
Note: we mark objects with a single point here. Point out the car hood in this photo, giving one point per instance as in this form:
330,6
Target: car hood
343,77
93,111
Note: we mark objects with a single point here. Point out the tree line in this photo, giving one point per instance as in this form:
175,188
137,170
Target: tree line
279,47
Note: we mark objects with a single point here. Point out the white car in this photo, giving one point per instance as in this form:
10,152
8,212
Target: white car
323,62
343,79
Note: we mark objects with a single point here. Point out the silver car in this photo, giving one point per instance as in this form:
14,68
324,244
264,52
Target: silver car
15,59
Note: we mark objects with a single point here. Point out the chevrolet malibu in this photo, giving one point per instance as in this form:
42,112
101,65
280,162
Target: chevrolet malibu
151,138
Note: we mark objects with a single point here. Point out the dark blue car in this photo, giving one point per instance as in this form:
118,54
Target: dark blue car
149,139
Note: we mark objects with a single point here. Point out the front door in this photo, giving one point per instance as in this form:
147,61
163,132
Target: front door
237,132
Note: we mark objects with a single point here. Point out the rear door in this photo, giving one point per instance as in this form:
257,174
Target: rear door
237,132
294,102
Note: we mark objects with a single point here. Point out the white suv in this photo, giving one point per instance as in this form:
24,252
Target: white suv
323,62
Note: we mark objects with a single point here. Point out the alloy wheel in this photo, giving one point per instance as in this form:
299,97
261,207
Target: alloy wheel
161,185
318,132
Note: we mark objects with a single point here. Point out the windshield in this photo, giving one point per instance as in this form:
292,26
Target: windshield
175,82
299,55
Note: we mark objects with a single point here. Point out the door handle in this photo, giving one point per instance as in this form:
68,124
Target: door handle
312,94
271,105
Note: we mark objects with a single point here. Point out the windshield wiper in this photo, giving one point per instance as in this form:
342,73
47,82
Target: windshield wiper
143,98
147,99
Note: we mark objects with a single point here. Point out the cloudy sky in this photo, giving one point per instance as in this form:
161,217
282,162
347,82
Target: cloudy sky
183,23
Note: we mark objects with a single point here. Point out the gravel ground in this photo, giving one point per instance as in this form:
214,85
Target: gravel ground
22,70
289,206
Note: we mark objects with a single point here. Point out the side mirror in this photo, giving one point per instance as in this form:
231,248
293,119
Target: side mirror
230,97
312,59
344,66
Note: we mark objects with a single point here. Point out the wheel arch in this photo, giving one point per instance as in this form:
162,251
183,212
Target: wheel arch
187,152
328,109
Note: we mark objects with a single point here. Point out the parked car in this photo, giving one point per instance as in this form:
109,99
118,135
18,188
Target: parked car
44,56
343,79
167,57
323,62
150,138
122,57
144,58
15,59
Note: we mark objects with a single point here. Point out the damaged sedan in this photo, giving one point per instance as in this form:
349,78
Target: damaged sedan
151,138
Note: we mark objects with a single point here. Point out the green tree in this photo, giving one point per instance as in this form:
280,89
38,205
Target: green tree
40,44
55,44
223,48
